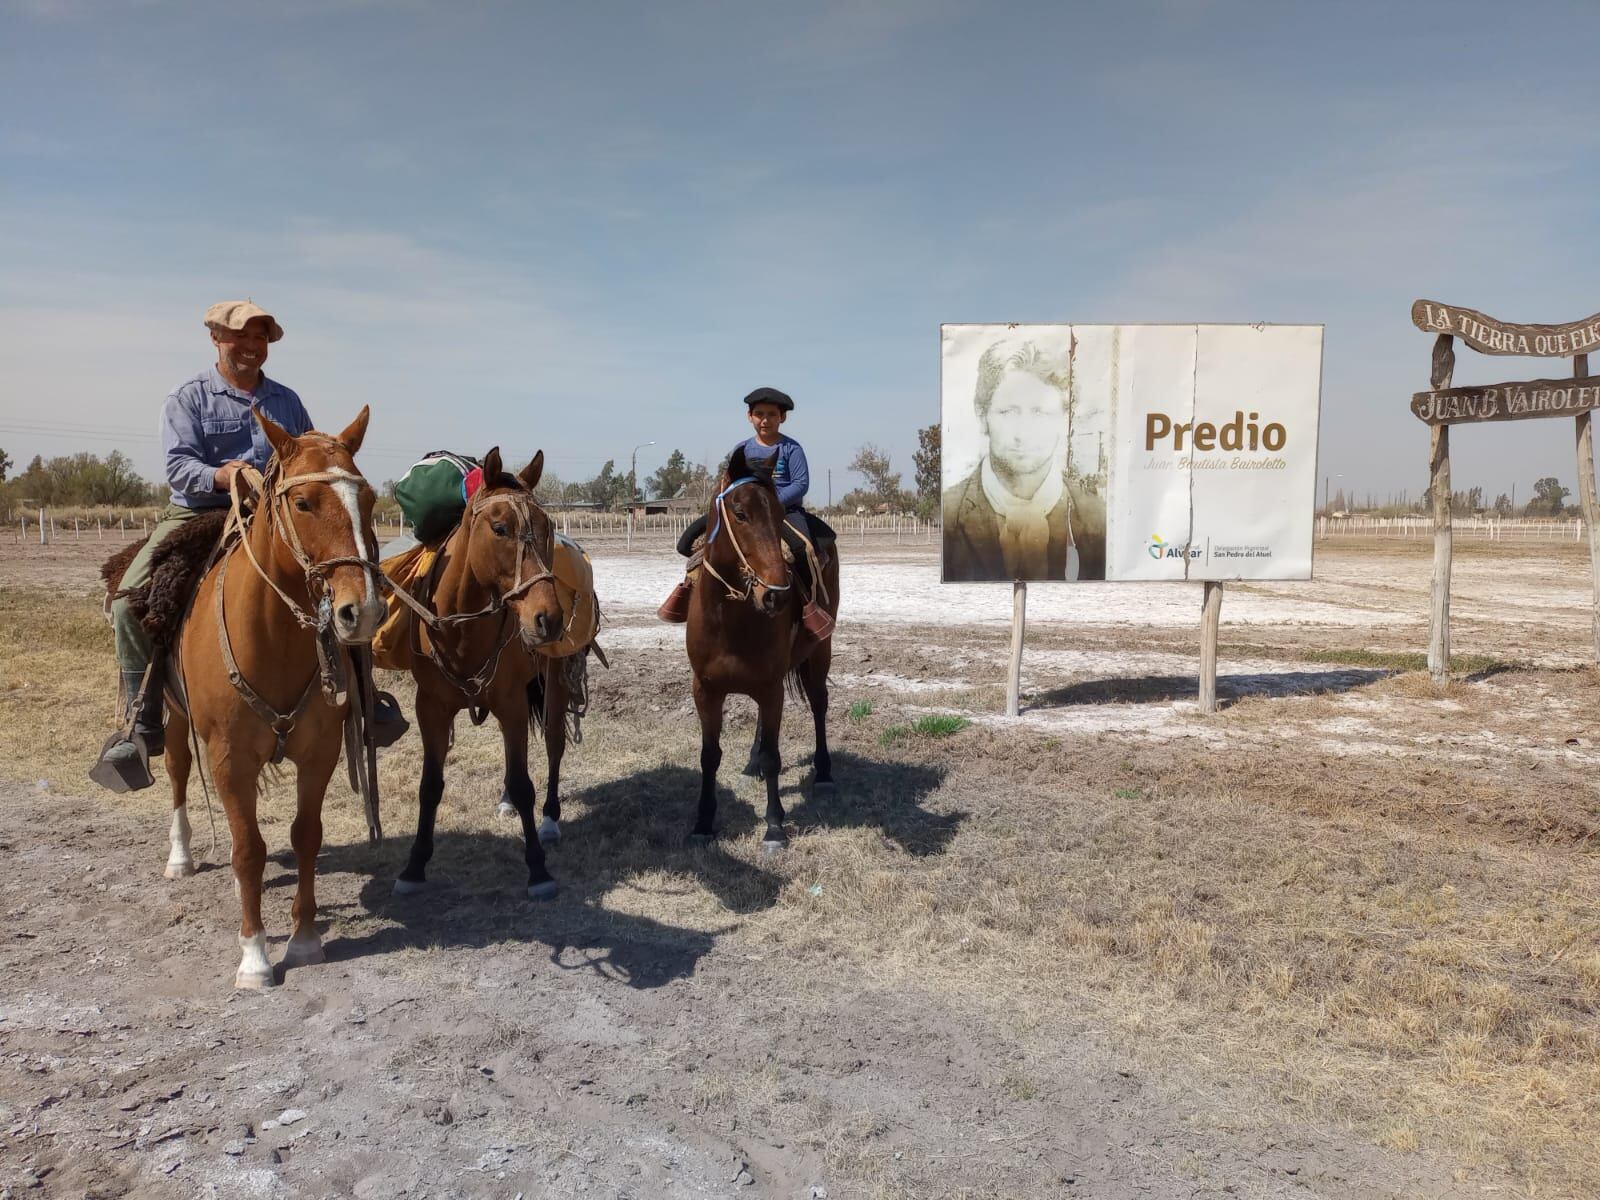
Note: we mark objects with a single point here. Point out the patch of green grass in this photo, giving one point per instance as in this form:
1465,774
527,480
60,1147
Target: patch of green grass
893,734
1127,793
860,710
939,724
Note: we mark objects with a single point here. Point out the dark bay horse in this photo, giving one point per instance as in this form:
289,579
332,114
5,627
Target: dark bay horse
250,669
493,602
744,637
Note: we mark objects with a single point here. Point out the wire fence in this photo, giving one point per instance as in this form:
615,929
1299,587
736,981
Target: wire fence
1494,529
651,530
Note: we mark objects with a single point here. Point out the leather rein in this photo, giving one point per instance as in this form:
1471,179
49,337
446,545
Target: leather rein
746,571
330,663
472,686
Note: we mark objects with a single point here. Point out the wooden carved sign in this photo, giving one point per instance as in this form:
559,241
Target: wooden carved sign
1507,401
1489,336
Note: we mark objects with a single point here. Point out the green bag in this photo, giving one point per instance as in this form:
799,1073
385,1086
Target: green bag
433,493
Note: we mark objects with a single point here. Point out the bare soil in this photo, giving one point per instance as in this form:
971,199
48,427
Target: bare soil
1340,940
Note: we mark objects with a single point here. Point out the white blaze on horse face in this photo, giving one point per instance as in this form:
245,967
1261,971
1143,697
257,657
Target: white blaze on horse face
348,489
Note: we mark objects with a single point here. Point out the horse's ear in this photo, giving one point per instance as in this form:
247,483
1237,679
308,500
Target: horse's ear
529,475
280,437
355,432
491,467
737,467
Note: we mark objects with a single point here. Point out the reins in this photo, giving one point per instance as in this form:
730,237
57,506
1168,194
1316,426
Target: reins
473,685
271,489
747,572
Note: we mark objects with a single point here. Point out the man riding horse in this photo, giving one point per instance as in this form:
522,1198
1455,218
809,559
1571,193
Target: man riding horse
207,434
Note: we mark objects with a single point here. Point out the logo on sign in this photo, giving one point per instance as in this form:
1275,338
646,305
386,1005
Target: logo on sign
1160,549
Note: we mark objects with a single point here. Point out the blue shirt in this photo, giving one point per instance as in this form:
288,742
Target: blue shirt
789,471
206,422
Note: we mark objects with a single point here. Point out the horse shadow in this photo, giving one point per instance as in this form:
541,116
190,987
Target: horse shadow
476,891
1160,689
630,834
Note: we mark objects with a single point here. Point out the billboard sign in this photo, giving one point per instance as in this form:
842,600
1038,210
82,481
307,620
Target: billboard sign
1168,452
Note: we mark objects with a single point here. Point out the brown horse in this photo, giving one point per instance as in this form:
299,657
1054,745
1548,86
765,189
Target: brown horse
249,666
744,637
494,602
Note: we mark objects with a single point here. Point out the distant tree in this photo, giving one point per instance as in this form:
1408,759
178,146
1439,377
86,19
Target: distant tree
1548,497
672,475
926,462
607,490
5,465
1502,505
549,490
882,481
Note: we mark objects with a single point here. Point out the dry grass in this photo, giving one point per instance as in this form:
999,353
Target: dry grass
1405,945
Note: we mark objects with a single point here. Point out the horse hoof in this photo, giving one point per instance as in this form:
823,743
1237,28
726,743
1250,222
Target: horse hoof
409,887
179,870
549,832
506,809
543,891
254,981
303,954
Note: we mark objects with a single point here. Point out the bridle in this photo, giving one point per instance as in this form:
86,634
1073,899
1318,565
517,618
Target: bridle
282,527
521,504
746,571
272,489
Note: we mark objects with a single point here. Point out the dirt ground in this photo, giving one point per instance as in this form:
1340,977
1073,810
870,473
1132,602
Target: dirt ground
1339,940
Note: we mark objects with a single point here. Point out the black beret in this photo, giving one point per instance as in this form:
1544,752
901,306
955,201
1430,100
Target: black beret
769,396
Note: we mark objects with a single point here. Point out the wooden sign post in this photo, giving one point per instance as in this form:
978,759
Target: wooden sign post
1210,619
1444,406
1019,613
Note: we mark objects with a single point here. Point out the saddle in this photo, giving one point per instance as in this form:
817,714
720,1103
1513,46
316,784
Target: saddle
176,566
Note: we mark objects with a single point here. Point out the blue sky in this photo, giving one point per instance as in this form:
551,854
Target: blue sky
584,226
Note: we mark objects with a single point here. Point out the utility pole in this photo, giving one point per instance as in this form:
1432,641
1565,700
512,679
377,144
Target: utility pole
830,487
633,467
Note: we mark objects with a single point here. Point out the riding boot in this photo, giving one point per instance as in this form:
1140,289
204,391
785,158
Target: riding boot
676,606
124,762
150,721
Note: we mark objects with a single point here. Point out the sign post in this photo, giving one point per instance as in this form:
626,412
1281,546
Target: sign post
1019,613
1444,406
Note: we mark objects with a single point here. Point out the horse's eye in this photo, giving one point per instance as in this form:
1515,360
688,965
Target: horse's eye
301,503
499,528
738,515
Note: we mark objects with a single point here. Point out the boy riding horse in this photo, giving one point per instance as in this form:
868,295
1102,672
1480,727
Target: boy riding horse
768,408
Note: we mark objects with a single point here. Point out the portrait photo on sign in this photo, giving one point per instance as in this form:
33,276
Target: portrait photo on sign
1023,469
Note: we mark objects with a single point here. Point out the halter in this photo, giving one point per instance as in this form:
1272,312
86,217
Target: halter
747,572
521,503
283,529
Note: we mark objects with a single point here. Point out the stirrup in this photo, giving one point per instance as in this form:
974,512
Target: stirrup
125,773
814,619
675,608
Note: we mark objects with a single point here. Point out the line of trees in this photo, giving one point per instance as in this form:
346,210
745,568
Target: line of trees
75,480
1549,499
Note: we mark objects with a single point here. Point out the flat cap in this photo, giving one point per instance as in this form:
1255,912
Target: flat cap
233,314
769,396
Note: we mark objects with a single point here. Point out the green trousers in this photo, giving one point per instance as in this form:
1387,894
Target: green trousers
133,643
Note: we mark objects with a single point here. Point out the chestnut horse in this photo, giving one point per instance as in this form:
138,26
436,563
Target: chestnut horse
493,598
250,669
744,636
